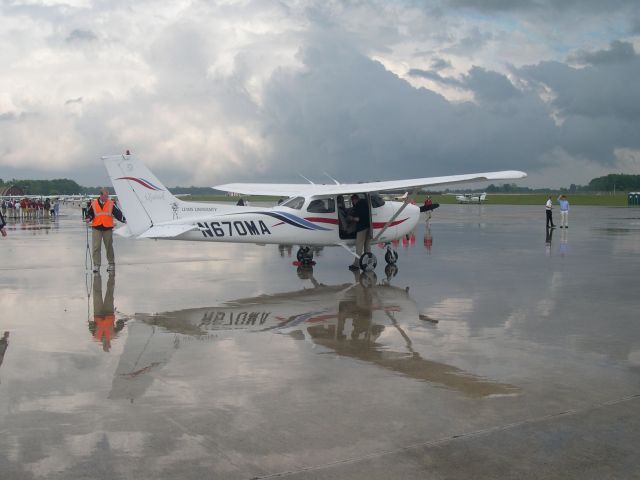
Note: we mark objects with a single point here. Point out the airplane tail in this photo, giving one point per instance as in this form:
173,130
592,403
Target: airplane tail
144,200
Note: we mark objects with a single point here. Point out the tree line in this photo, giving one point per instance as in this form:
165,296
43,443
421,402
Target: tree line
58,186
64,186
614,182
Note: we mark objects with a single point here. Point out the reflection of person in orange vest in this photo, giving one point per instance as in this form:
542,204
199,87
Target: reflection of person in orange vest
100,215
104,326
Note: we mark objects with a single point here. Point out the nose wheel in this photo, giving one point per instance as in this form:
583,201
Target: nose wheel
391,256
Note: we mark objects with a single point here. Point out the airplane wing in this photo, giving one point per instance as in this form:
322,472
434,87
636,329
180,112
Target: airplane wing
305,189
272,189
168,230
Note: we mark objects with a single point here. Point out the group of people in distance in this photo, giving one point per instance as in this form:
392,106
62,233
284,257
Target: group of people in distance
564,212
30,208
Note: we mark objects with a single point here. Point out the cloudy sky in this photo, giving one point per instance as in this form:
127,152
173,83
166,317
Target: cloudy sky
207,92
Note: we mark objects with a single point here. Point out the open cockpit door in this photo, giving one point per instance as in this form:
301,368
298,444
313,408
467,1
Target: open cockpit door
379,213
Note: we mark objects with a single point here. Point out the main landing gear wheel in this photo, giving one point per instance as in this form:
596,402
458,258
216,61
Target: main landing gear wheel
304,255
391,256
368,262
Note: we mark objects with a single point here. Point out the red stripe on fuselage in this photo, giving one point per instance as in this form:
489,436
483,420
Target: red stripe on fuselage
333,221
393,224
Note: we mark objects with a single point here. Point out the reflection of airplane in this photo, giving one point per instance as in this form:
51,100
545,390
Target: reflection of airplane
471,198
146,350
346,319
312,216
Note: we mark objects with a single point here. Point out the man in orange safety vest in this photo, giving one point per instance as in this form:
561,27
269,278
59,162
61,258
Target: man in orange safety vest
100,216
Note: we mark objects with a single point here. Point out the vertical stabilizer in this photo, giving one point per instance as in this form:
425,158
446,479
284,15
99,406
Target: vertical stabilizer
143,199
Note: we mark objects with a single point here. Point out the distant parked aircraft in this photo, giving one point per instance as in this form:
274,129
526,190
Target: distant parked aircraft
471,198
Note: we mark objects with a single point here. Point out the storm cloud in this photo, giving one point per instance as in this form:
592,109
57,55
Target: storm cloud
211,92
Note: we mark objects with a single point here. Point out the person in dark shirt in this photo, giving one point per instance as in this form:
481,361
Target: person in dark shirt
361,215
4,344
100,216
2,224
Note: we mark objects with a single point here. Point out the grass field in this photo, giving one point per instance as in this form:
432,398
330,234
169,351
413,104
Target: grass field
604,200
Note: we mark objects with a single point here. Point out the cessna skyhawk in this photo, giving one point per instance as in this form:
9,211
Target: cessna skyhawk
312,216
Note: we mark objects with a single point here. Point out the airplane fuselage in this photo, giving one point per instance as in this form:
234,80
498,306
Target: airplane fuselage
284,225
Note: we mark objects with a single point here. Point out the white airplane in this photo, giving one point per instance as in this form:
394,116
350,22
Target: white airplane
471,198
310,217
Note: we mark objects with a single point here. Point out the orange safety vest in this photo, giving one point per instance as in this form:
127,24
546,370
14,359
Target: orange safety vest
103,215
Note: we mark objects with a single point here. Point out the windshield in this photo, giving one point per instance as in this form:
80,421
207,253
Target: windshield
296,203
322,205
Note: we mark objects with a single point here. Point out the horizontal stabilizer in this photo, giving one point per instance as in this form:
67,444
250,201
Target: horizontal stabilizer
167,231
123,231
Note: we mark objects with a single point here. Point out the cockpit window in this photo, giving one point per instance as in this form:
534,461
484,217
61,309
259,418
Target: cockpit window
376,200
322,205
296,203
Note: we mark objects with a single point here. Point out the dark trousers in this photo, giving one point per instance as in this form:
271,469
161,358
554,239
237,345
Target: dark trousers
550,219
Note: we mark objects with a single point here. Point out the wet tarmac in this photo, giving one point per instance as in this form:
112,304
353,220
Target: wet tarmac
495,351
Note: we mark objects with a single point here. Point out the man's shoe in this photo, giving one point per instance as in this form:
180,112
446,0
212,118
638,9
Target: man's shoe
111,268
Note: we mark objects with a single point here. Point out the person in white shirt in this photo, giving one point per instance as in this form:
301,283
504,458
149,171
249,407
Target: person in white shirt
564,211
549,210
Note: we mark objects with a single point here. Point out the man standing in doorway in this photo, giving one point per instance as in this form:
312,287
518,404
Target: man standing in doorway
100,215
360,214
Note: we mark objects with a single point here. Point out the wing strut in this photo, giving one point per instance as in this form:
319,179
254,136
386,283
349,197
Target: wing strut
407,200
306,179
